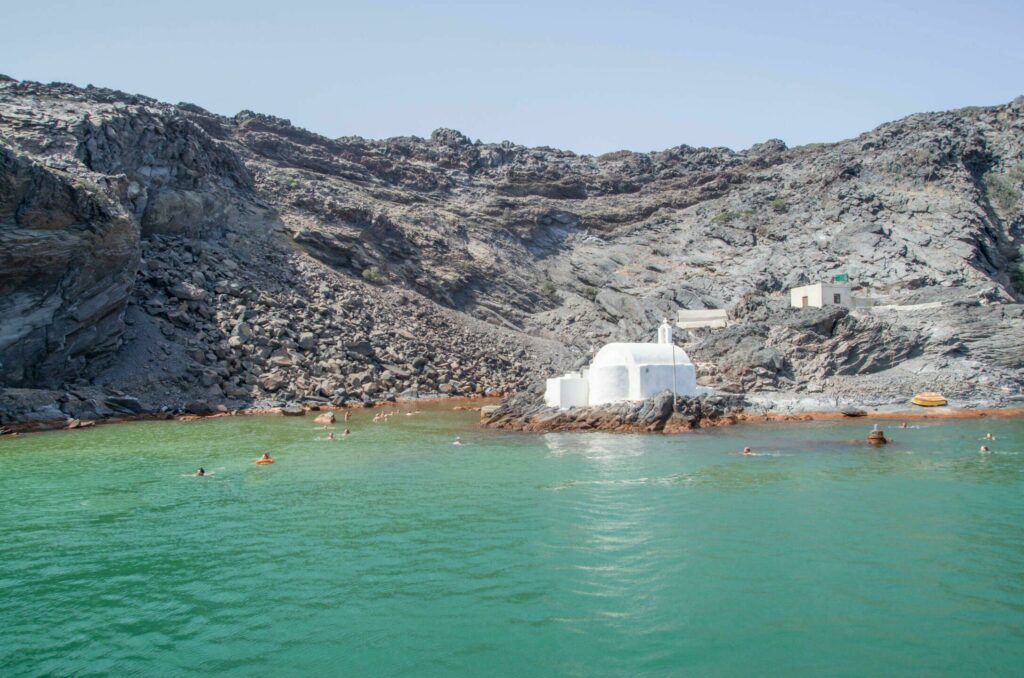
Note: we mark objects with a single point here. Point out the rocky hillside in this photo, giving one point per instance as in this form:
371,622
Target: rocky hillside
174,255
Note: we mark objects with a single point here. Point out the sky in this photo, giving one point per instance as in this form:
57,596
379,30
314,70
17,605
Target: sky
590,77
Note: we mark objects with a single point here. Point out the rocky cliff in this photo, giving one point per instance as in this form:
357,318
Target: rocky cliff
164,252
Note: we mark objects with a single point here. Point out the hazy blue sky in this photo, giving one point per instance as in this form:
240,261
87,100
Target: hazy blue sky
588,76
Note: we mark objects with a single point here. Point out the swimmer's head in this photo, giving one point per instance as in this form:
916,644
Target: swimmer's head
746,450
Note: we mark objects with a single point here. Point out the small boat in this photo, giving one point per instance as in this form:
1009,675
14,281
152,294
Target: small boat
929,399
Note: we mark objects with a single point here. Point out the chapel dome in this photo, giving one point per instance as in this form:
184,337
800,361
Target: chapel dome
639,354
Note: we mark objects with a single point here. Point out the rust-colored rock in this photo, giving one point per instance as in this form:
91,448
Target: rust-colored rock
325,418
877,437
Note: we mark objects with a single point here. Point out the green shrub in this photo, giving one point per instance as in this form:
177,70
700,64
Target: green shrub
615,155
725,217
1003,192
547,288
779,205
372,274
589,293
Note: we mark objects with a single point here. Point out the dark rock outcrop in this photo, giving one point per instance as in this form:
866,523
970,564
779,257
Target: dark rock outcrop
525,413
68,256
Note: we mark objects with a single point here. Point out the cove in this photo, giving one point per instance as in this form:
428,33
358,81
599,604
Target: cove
396,553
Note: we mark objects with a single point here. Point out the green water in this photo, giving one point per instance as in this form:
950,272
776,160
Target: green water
396,553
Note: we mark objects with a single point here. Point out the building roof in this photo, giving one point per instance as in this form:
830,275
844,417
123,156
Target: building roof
639,354
823,285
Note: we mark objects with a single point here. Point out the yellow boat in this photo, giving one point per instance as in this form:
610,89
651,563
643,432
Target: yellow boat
928,399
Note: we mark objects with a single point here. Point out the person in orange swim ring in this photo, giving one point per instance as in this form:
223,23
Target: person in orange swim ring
266,457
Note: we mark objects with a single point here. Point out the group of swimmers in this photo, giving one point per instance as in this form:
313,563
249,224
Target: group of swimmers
747,452
984,448
381,416
384,416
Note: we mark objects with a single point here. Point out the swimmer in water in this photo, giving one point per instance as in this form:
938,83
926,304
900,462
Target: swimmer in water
903,425
984,449
266,457
330,436
201,472
747,452
346,415
347,433
989,436
457,441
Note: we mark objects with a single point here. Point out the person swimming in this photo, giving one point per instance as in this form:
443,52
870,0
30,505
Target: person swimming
347,433
984,449
457,441
346,415
330,436
266,457
903,425
201,472
747,452
989,436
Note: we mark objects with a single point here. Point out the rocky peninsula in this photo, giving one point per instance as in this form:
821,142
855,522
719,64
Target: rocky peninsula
161,258
658,414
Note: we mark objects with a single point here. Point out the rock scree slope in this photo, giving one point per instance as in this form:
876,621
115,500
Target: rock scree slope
158,256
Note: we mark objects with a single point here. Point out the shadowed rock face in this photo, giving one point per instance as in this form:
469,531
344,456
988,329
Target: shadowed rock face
68,256
460,250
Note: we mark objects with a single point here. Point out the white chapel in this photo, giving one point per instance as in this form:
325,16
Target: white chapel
626,371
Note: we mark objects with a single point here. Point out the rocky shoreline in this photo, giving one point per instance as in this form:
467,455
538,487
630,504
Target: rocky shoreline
46,420
525,413
522,413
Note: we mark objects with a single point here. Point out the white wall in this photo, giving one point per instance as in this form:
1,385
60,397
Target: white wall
608,384
812,292
653,379
566,391
828,292
708,317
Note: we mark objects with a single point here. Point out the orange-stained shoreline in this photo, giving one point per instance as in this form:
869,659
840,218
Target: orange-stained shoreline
918,413
71,424
747,417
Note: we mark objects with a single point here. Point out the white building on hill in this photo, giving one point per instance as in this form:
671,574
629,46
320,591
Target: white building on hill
706,317
819,295
624,371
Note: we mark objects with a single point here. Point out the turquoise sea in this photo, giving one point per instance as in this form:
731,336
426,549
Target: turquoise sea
395,553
